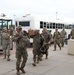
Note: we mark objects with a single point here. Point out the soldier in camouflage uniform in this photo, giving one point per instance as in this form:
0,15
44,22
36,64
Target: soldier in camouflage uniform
72,33
37,43
56,37
63,36
22,43
6,44
47,38
11,32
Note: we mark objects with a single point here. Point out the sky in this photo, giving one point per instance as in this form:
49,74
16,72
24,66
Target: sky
46,8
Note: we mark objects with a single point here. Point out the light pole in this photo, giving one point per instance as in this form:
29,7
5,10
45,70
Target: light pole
56,15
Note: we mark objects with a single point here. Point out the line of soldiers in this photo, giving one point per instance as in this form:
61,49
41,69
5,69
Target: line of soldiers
40,40
41,43
59,38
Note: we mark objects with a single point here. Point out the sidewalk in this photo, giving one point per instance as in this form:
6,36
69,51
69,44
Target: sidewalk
58,63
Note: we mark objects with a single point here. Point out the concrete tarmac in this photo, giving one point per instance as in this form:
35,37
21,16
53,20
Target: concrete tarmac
58,63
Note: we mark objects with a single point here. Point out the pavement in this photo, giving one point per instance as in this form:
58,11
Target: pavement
58,63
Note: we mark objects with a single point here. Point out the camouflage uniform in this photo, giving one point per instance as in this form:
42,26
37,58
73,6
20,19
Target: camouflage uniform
11,30
56,37
72,33
63,37
37,40
6,44
47,38
21,44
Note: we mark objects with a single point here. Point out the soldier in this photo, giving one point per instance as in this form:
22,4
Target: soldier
47,38
11,32
6,44
22,43
63,36
37,43
56,37
72,33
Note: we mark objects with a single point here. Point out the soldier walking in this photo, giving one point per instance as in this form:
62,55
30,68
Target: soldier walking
6,44
63,36
37,43
11,32
22,43
47,38
56,37
72,33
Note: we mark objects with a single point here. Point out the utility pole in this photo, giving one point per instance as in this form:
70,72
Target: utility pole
56,15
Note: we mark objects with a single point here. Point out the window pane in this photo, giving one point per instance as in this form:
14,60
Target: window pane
4,24
0,24
47,25
59,26
73,26
51,25
16,23
41,24
56,25
26,23
44,24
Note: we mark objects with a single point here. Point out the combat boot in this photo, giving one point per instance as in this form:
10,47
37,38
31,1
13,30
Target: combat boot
46,57
23,71
37,61
4,56
40,59
34,64
54,50
60,48
17,73
8,59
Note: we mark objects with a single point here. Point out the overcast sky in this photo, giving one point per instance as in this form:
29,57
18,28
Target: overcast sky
64,8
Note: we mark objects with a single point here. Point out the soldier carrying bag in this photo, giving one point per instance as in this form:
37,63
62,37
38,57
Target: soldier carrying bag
43,47
43,50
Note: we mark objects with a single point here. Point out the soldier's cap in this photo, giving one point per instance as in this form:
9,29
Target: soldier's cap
36,30
19,27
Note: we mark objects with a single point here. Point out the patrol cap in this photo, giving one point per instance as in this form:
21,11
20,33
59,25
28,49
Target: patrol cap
19,27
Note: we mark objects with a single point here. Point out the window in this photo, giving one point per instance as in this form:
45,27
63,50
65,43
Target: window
16,23
0,24
66,26
59,26
56,25
44,24
24,23
47,25
41,24
70,26
51,25
73,26
62,25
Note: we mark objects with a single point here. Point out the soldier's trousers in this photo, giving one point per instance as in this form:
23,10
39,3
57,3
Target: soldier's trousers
62,41
6,49
36,55
47,47
57,42
21,57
